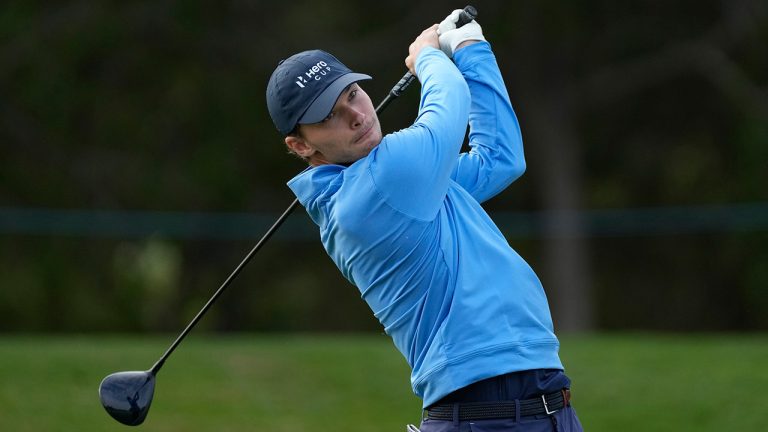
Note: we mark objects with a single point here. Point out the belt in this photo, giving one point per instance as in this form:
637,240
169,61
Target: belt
545,404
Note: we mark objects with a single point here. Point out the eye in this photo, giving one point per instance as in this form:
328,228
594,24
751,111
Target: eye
352,94
330,116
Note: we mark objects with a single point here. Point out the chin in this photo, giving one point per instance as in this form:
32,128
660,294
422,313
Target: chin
375,140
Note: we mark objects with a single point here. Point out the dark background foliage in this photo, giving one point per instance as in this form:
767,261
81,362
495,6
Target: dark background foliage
138,163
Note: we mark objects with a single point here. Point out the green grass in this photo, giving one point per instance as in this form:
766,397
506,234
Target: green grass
283,383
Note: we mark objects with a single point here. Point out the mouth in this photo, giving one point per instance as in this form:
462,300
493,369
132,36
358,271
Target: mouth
365,133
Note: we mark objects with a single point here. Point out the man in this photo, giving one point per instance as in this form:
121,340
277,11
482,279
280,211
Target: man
400,216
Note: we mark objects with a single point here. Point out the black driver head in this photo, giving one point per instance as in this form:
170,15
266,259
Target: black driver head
127,396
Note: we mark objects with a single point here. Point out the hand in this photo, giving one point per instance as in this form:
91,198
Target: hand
451,37
427,38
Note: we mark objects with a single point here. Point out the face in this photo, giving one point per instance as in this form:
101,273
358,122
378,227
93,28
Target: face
349,132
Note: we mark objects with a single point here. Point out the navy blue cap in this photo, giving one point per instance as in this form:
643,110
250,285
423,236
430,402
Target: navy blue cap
304,88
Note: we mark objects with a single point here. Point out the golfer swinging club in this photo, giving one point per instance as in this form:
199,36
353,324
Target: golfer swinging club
400,216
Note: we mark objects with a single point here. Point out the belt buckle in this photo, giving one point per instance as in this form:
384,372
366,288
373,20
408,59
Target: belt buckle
546,406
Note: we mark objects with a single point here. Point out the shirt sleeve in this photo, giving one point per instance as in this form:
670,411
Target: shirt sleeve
495,158
412,168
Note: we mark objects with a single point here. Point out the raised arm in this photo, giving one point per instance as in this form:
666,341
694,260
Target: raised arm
496,155
412,168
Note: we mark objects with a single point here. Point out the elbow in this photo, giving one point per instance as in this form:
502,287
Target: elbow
517,169
507,172
512,171
504,175
514,158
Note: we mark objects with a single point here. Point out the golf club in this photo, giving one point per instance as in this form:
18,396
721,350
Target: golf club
467,15
127,396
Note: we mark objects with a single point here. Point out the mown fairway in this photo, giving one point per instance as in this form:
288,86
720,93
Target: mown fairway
622,382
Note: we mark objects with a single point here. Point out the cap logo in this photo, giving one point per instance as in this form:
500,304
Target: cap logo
316,72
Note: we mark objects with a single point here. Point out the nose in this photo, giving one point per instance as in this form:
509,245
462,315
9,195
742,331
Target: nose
357,118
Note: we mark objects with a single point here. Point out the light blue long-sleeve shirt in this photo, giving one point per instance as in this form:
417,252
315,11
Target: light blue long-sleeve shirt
405,225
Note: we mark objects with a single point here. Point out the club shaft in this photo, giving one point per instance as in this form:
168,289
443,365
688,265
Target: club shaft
226,283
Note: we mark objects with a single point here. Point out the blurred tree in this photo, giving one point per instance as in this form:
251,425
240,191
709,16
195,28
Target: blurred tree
582,63
159,105
147,284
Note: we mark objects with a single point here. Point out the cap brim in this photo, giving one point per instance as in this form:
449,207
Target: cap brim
321,107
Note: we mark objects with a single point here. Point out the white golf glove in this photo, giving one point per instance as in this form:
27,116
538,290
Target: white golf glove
451,37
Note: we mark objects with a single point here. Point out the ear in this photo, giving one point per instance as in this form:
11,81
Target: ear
300,146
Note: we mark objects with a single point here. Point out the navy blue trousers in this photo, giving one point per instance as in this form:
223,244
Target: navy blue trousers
513,386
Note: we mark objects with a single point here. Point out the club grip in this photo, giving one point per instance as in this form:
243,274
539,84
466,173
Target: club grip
467,15
401,85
